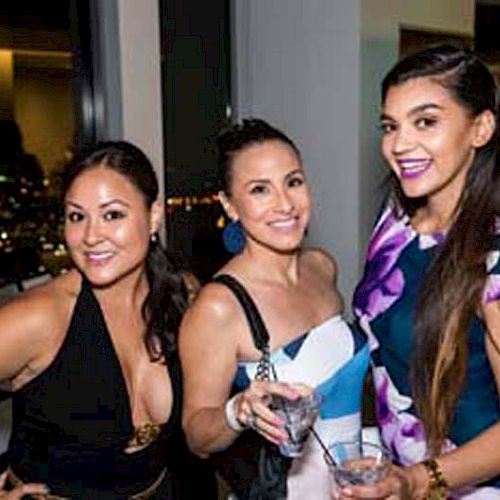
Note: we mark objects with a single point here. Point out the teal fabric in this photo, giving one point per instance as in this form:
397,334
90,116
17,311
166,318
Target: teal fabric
385,303
478,407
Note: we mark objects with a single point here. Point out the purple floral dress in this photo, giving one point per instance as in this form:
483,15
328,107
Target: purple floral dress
384,304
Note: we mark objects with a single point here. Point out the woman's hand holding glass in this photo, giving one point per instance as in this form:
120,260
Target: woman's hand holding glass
396,485
253,407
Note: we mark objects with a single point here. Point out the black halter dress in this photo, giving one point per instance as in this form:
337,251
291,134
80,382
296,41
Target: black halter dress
73,423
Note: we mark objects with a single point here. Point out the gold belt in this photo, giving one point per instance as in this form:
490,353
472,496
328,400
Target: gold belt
142,495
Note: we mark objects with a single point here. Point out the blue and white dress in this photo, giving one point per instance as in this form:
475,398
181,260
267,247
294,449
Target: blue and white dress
333,359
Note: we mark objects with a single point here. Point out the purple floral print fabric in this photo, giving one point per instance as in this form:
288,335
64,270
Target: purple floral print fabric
384,282
382,285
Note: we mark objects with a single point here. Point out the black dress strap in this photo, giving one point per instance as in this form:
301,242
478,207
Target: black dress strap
252,466
257,327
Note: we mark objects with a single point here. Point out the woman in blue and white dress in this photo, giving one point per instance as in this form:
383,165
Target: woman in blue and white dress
264,190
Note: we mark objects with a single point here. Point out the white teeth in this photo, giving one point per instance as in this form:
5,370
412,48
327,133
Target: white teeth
284,223
414,165
100,256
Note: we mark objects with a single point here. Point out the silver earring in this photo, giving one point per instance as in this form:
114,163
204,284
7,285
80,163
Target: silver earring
153,238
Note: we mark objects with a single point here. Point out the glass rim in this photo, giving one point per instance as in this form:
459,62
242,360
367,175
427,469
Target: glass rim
312,400
384,459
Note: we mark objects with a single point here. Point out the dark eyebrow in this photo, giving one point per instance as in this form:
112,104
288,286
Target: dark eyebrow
257,181
418,109
425,107
267,181
103,205
112,202
76,205
294,172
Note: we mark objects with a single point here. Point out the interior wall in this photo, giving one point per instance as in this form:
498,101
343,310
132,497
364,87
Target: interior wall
314,69
448,16
379,49
129,76
380,25
107,72
297,65
140,75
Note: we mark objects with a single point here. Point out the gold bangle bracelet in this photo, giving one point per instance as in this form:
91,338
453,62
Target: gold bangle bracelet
438,486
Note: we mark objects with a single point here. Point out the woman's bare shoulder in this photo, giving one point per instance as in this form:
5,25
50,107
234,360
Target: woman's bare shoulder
42,305
214,302
211,325
32,324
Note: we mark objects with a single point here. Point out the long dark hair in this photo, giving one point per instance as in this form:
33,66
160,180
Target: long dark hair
452,288
166,299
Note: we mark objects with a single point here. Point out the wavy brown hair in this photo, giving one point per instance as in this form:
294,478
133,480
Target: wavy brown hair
451,291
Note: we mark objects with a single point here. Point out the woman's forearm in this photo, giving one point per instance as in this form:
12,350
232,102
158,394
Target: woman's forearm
470,464
207,431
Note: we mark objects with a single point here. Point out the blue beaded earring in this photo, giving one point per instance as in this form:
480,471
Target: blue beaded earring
233,237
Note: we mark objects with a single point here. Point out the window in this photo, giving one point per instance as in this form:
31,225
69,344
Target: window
44,79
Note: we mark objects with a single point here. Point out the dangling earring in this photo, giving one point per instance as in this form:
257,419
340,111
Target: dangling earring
153,238
233,237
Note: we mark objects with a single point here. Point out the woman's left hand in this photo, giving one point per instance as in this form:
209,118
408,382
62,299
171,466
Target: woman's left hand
22,490
396,486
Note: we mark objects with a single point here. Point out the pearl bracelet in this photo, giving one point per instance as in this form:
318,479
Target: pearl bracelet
230,413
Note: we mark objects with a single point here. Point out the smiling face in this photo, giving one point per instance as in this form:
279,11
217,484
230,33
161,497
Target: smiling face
269,195
108,226
430,139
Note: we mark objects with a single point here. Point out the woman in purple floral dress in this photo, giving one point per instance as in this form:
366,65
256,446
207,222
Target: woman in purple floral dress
429,296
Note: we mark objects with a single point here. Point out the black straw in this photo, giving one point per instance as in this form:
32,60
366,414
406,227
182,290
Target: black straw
323,447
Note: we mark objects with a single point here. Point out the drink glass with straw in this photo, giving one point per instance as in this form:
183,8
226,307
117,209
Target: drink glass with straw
298,416
357,462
